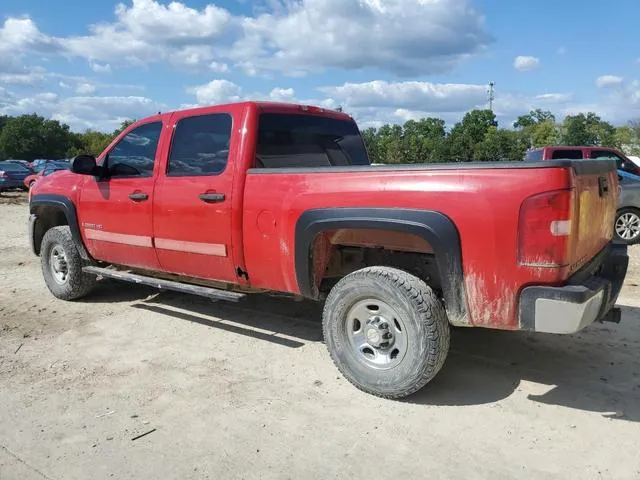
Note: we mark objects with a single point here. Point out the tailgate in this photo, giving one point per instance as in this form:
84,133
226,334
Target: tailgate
596,184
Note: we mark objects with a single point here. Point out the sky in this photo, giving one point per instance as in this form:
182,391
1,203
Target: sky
93,64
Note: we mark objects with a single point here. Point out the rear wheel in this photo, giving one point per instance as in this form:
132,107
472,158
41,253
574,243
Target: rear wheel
386,331
627,226
62,265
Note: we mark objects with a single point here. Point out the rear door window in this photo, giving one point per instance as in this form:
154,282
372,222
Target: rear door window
604,154
303,141
200,145
567,154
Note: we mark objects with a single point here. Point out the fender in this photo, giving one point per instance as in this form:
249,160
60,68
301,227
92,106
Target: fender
434,227
38,203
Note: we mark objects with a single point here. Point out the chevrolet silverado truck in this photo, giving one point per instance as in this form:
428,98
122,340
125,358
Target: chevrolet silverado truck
252,197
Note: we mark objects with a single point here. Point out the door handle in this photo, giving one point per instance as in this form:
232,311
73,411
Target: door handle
211,197
138,196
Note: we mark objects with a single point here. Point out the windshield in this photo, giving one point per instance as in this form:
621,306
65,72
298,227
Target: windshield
299,140
12,167
533,156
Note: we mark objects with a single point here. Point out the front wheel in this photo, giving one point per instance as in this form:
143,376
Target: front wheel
386,331
62,265
627,226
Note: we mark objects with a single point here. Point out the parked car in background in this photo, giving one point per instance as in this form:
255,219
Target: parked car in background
24,163
627,226
563,152
12,175
48,169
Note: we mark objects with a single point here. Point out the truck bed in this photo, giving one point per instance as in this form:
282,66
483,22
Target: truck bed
482,199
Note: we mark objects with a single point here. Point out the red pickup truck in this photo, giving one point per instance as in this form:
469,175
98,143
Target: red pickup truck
227,200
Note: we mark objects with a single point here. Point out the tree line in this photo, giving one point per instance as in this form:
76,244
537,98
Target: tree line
477,137
29,137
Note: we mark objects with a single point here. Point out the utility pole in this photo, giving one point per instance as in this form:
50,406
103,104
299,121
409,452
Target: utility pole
491,95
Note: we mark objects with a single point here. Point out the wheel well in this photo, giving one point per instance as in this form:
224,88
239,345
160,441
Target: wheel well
634,209
48,217
337,253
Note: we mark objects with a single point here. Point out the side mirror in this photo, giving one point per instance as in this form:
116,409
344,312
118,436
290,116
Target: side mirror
84,165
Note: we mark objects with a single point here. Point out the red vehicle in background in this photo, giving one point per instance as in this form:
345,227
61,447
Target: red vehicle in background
48,169
228,200
563,152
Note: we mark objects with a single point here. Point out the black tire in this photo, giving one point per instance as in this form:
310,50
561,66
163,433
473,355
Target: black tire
425,325
76,283
617,229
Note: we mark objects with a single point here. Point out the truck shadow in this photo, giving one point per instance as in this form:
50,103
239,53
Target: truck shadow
280,321
596,370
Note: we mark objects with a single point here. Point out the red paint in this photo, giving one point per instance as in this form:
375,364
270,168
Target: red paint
253,228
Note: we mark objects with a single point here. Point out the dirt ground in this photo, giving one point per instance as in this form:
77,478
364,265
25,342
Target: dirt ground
248,391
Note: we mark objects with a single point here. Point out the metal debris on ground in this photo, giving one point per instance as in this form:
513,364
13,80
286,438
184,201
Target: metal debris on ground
143,434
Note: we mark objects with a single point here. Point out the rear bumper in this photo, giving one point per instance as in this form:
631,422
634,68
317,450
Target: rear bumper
589,296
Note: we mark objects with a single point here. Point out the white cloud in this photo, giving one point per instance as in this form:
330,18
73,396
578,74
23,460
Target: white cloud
28,79
402,36
554,97
218,67
21,34
524,63
562,50
81,112
216,91
294,37
423,96
608,81
85,88
282,94
100,68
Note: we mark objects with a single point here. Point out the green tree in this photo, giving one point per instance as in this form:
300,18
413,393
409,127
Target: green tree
466,134
534,117
123,125
90,142
543,134
628,138
587,129
390,144
500,145
28,137
370,138
424,140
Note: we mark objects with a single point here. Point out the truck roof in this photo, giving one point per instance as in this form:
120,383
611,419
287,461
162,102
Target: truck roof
573,147
264,105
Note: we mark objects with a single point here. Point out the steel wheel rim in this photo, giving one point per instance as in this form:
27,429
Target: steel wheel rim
376,334
58,264
628,226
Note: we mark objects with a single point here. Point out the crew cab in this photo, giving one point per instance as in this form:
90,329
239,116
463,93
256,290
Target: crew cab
229,200
562,152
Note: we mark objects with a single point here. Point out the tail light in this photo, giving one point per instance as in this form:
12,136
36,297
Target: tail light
544,229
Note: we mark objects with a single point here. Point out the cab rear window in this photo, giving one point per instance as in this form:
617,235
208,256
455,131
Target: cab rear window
303,141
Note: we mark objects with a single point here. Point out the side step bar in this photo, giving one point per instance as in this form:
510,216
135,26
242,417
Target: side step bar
161,284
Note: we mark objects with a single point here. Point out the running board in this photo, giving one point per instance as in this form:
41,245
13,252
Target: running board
213,293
